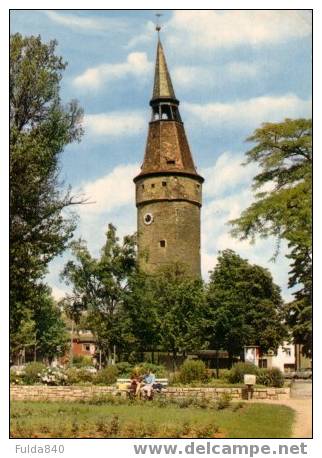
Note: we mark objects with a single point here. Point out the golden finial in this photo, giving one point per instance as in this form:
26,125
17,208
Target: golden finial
158,25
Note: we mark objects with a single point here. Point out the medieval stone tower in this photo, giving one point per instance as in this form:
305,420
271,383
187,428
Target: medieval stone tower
168,188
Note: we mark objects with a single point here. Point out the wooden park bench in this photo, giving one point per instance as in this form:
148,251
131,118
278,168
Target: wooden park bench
123,385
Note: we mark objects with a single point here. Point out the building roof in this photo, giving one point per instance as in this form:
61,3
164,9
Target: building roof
167,150
86,337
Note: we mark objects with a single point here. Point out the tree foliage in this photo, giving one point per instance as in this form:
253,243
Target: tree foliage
99,285
181,305
40,127
52,338
244,306
42,333
128,308
282,208
142,312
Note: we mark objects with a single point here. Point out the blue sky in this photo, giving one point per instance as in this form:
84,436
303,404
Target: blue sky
231,70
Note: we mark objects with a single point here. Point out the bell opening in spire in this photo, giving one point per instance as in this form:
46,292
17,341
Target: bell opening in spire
165,112
164,102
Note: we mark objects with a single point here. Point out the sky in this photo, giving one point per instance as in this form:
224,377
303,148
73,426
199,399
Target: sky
231,69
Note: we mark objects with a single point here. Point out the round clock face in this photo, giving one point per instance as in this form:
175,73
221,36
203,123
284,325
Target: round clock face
148,218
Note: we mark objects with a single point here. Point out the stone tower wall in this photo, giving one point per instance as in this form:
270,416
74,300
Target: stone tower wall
173,231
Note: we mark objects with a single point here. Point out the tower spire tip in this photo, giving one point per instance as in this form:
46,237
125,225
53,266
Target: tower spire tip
158,25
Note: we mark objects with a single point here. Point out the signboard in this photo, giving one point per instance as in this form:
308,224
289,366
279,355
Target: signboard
250,379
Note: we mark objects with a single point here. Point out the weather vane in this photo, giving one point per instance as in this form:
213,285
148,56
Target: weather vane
158,25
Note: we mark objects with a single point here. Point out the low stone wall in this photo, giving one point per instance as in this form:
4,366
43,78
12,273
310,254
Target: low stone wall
76,393
235,393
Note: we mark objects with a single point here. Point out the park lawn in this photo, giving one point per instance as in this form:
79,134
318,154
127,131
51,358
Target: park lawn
31,419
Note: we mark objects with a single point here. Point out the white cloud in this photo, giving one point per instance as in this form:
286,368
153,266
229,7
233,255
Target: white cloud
112,191
145,37
208,29
240,69
226,174
136,64
250,112
189,76
112,200
115,123
73,21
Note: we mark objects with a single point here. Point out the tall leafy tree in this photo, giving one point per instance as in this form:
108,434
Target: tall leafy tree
99,285
40,127
282,208
180,307
142,312
51,337
244,306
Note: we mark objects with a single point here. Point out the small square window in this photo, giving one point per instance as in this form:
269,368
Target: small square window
171,162
143,186
162,243
152,185
164,183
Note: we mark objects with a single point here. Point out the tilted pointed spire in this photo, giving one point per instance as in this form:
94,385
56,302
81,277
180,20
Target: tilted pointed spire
167,148
162,87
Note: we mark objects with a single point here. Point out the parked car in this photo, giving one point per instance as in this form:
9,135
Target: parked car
304,374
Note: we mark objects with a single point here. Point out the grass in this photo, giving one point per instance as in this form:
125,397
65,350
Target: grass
32,419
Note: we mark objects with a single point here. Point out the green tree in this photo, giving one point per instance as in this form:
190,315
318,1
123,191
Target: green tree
99,286
23,339
244,306
40,127
52,338
142,312
282,208
180,306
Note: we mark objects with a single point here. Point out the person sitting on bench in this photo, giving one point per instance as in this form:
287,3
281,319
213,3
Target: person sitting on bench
136,383
147,388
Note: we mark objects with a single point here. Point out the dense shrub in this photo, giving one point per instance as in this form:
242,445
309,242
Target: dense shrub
16,378
86,376
223,401
107,376
174,378
224,374
271,377
143,368
78,376
72,376
33,372
82,361
237,372
192,370
124,369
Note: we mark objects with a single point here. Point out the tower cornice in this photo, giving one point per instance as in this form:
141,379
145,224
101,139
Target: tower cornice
161,173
